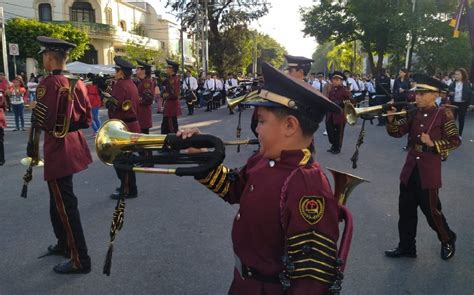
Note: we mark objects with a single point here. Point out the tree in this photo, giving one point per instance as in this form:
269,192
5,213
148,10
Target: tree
24,32
341,57
382,27
269,50
320,58
374,23
135,50
222,15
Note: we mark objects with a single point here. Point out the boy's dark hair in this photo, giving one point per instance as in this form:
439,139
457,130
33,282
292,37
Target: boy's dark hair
305,68
308,127
148,72
127,72
60,56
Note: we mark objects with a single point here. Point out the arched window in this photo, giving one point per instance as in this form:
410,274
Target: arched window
108,16
123,25
45,14
82,12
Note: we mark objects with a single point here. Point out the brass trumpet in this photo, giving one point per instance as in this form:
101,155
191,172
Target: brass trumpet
232,103
352,113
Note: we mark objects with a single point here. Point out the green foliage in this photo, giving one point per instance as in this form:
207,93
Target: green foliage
320,58
136,51
222,15
24,32
442,53
341,57
380,26
239,46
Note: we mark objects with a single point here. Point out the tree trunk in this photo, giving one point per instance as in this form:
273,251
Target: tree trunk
380,54
370,56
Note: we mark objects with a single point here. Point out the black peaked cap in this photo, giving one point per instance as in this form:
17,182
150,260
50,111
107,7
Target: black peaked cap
52,44
282,90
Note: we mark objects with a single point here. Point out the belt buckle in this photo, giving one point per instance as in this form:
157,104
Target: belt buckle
418,148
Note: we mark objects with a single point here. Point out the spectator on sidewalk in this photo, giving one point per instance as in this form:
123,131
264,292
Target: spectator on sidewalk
460,93
17,93
3,125
32,84
4,85
96,103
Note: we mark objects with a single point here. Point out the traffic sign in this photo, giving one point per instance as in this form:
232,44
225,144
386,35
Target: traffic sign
13,49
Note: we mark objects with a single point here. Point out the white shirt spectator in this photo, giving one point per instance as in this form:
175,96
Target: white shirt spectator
458,92
32,86
319,84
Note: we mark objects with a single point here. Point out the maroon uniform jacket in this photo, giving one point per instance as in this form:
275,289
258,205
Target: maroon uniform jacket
124,90
146,94
172,108
68,155
286,206
439,124
338,94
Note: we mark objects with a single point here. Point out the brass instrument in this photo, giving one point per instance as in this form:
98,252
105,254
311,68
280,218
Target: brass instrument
126,105
344,184
352,113
232,103
65,109
113,141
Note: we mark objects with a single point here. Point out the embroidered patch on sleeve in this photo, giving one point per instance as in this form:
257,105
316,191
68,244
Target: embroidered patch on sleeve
312,208
40,92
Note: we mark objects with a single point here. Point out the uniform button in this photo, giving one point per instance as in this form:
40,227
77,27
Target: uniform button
417,158
251,188
426,115
421,125
418,135
238,216
271,163
249,273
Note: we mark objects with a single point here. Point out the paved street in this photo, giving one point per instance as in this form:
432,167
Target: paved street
176,235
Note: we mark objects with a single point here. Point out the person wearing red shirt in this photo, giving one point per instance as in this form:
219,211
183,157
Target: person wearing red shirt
96,103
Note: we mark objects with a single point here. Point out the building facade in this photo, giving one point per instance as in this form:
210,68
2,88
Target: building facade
110,24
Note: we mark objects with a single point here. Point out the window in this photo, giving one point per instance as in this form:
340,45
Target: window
123,25
82,12
108,16
45,14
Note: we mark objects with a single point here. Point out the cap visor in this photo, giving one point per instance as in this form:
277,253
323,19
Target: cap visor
263,103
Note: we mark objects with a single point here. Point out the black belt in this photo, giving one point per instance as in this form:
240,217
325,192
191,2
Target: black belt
248,272
423,148
131,120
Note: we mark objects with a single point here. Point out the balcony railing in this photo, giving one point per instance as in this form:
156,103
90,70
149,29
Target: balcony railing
92,28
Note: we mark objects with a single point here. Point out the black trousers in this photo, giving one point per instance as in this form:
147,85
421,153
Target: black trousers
460,114
145,130
128,182
66,220
335,134
169,125
190,107
2,148
412,196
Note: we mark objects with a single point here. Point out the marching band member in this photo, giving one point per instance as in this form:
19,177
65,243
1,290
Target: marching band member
171,93
146,95
335,123
63,156
285,232
125,109
190,87
432,134
298,66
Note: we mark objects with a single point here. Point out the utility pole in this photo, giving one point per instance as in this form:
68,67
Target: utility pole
4,46
254,64
181,44
411,42
204,40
